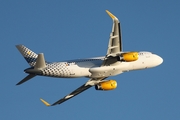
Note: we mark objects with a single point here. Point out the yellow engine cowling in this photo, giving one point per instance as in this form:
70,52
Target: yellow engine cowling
106,85
130,56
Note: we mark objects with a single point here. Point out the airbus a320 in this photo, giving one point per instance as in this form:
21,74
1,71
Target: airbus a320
97,69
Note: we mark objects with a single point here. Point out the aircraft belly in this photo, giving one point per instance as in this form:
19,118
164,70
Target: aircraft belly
107,71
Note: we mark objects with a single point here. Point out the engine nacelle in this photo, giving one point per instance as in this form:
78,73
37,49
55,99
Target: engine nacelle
129,56
106,85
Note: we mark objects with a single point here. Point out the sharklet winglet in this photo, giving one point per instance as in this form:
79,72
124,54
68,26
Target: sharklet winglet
46,103
111,15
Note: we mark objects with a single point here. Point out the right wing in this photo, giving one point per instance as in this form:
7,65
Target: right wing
115,42
82,88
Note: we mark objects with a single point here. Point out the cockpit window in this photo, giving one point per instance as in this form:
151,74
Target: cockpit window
144,53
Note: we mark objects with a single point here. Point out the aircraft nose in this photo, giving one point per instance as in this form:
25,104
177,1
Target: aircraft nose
159,60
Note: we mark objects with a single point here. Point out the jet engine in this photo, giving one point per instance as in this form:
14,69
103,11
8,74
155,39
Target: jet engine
129,56
106,85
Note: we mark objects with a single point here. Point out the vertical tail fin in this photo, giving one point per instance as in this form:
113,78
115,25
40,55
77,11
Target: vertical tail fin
28,54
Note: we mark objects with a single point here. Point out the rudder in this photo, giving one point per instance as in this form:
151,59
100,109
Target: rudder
28,54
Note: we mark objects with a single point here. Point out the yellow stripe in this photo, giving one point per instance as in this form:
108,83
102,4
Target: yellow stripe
110,14
28,52
46,103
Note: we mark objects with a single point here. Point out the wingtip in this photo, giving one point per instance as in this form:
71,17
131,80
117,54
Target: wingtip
111,15
46,103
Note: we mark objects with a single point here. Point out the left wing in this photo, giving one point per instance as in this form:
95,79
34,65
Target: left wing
82,88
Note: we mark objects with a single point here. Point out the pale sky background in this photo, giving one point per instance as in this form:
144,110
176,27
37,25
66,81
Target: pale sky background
65,30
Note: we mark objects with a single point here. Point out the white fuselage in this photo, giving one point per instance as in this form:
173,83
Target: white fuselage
97,69
92,67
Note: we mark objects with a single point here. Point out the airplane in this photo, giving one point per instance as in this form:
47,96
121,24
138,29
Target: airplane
97,69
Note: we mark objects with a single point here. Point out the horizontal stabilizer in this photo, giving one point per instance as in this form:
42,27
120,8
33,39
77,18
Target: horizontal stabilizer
26,79
40,62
